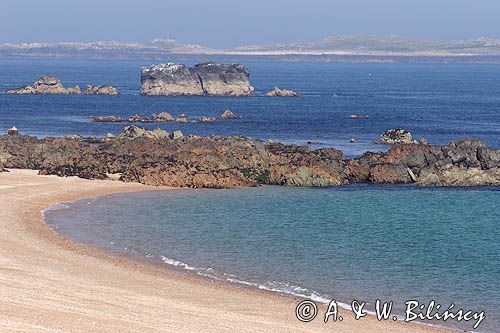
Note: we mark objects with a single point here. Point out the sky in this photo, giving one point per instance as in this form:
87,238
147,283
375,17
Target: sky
226,24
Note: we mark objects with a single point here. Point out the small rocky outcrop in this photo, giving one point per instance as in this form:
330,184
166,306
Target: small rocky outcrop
101,90
162,117
393,136
51,85
228,114
206,79
133,132
182,118
13,131
277,92
47,84
107,119
205,119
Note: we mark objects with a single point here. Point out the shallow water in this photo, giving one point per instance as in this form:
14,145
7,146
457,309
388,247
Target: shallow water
439,102
356,242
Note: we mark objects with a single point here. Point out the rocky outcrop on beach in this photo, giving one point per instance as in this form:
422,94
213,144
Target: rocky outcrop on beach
138,155
49,84
459,163
101,90
156,157
277,92
205,79
133,132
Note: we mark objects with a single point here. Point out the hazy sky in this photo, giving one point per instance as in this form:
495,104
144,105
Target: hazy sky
225,23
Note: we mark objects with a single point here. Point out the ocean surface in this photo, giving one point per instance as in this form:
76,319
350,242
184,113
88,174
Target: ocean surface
348,243
357,242
439,102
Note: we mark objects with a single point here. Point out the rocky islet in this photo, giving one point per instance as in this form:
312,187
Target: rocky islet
51,85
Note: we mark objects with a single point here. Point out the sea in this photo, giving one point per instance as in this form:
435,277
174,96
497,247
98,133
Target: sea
359,242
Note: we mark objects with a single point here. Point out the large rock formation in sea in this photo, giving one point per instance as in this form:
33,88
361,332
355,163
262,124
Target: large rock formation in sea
160,158
51,85
205,79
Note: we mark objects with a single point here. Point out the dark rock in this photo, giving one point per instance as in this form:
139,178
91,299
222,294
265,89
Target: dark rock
393,136
13,131
175,135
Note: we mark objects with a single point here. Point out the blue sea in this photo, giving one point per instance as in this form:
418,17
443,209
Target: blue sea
438,102
393,243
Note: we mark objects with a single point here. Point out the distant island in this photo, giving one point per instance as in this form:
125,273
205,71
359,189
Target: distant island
335,49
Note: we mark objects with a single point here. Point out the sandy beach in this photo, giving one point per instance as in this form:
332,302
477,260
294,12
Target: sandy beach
50,284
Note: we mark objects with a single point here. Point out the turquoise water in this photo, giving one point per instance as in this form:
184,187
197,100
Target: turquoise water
392,243
356,242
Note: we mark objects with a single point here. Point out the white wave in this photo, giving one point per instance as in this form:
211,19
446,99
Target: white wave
176,263
58,206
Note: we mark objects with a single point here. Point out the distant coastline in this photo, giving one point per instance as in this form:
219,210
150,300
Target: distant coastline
350,49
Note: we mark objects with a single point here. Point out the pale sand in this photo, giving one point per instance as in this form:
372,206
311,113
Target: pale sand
51,284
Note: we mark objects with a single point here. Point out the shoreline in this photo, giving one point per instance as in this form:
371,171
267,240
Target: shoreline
64,293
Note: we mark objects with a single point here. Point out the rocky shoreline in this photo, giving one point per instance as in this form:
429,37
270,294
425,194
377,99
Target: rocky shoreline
161,158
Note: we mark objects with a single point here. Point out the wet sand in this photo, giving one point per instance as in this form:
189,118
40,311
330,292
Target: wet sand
48,283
